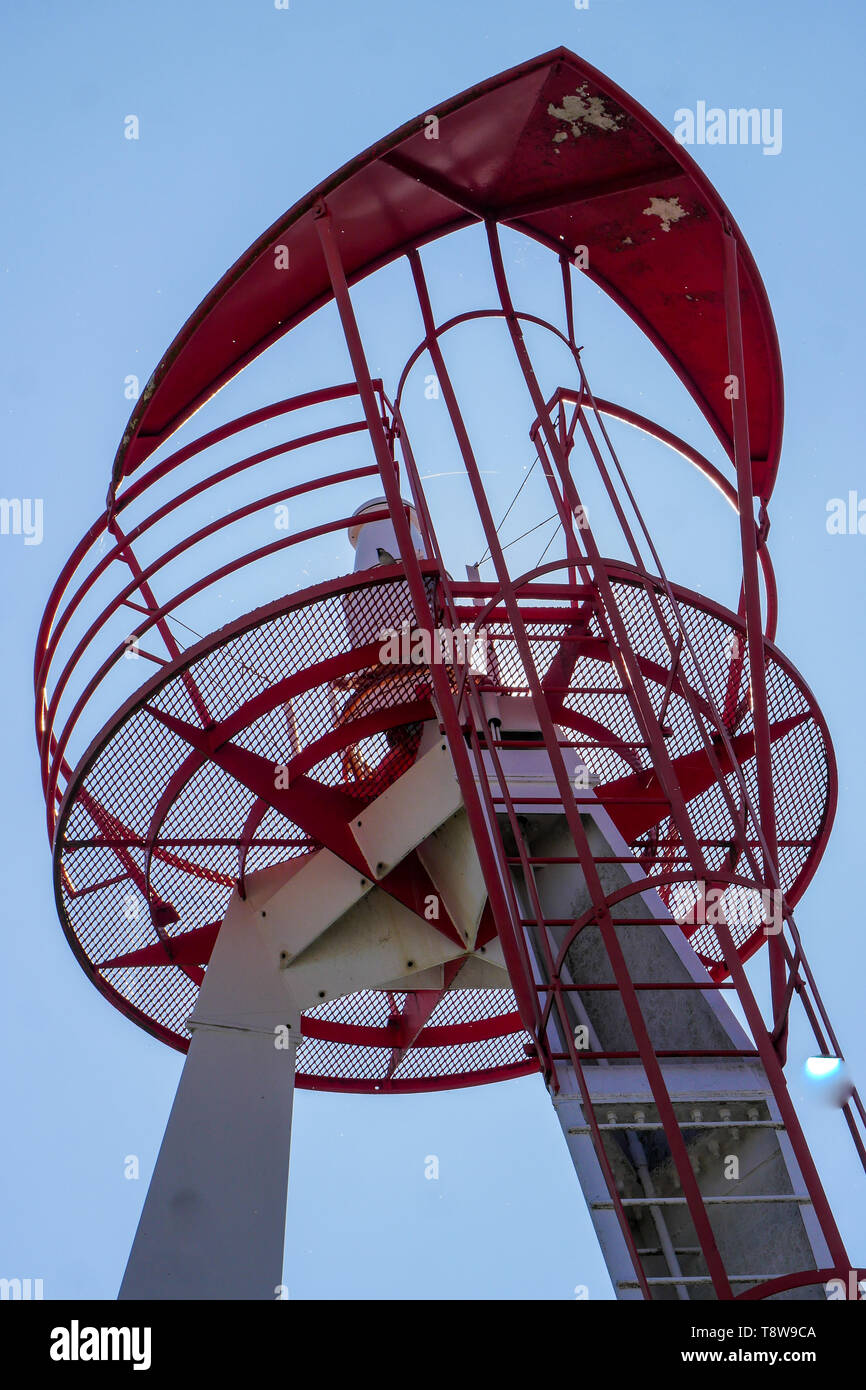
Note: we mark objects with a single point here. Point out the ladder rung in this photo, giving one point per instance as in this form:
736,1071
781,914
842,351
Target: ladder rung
651,984
588,1056
564,1097
571,859
629,921
695,1279
677,1249
523,690
519,744
683,1124
561,638
589,800
617,921
716,1201
468,588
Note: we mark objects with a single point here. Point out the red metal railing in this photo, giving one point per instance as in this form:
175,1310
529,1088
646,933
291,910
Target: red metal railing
652,703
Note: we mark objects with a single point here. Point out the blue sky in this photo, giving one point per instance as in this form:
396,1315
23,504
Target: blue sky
107,246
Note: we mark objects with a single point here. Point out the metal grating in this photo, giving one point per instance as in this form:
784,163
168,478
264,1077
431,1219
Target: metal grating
116,810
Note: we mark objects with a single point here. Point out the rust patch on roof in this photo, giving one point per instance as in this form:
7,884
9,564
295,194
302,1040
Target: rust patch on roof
668,209
579,110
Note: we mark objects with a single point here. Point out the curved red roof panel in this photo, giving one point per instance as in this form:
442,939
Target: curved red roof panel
553,149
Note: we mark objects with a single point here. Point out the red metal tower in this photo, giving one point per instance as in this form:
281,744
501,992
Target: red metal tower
333,843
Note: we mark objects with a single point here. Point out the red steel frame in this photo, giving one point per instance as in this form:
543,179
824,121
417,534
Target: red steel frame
490,848
541,1009
506,591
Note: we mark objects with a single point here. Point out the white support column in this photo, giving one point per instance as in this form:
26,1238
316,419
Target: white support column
213,1223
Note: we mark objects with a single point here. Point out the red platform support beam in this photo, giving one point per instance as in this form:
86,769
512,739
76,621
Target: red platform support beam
754,624
525,997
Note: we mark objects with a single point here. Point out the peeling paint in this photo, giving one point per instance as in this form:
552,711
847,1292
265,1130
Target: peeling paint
668,209
579,110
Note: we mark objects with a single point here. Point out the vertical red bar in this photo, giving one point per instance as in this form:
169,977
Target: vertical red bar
526,1001
754,620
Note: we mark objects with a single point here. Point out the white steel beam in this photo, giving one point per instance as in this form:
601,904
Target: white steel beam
213,1222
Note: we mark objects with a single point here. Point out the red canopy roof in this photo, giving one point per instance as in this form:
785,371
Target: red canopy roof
551,148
